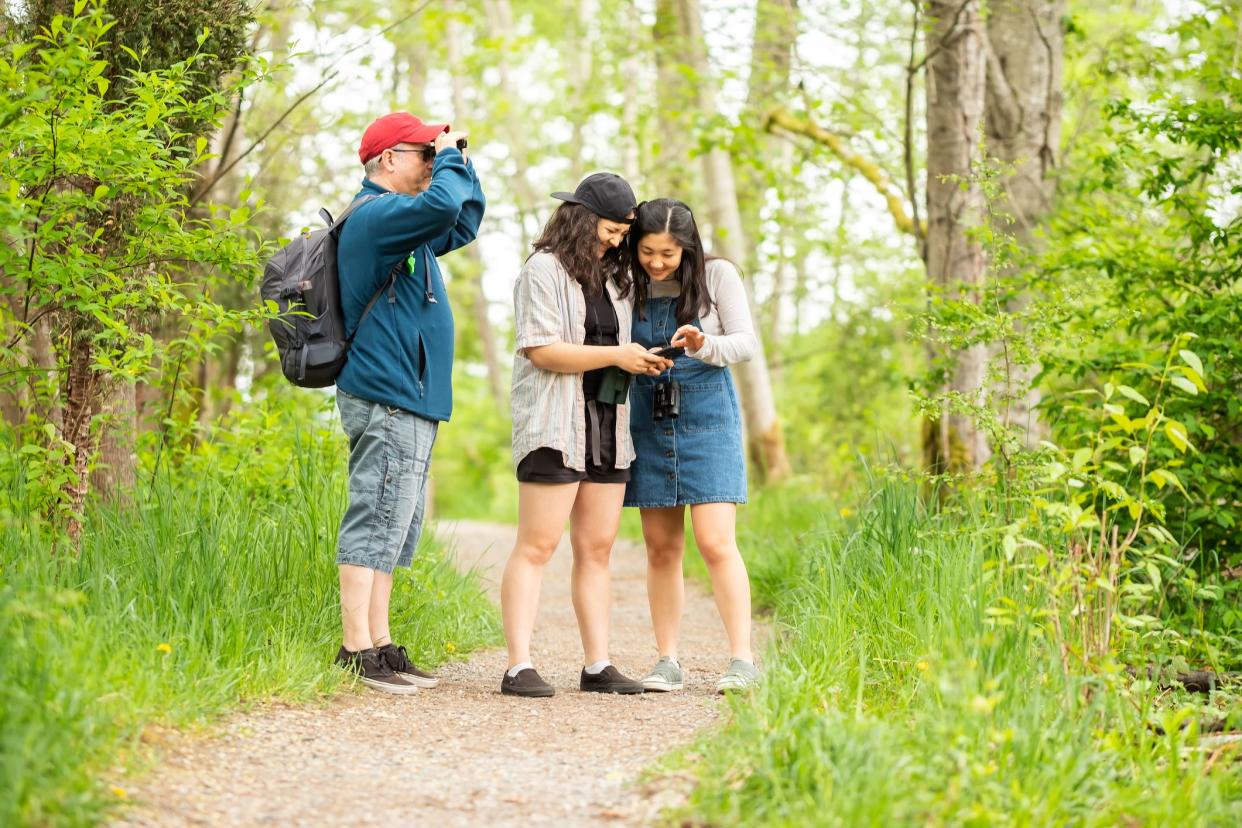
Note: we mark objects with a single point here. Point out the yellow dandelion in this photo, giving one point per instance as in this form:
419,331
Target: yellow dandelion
846,511
163,647
450,647
119,793
984,705
922,666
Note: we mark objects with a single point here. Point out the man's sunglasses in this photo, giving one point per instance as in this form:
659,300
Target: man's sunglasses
427,153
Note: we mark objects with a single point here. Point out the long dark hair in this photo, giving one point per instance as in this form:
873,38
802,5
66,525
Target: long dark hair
570,235
668,215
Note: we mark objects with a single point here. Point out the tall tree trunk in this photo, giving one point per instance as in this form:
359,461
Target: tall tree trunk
1023,122
80,392
671,166
776,31
113,476
474,270
764,432
956,71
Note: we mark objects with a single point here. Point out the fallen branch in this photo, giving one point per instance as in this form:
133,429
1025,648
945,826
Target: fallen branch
1196,681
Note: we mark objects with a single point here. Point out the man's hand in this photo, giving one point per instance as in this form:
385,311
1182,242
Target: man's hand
450,139
688,337
636,359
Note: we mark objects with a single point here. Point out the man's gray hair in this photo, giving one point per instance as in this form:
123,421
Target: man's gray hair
372,166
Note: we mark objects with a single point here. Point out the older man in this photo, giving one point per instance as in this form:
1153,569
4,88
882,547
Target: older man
423,200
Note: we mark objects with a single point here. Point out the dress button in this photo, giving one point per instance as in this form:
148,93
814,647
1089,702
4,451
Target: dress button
668,432
670,453
672,475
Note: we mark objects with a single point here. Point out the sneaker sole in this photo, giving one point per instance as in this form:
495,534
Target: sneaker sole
541,693
660,686
426,682
393,689
624,690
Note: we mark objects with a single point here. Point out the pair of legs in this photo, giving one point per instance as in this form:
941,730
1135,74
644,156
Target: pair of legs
594,513
364,606
715,533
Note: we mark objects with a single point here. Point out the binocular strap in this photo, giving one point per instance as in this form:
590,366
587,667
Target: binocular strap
595,435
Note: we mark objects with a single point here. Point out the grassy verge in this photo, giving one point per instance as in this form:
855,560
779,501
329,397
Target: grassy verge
213,590
913,685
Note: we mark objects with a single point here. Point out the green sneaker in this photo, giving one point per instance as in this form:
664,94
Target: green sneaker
665,676
741,675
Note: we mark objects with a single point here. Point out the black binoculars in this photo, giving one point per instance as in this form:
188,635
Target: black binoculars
666,400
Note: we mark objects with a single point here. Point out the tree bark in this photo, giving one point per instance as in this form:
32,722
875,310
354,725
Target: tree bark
113,475
673,145
956,264
1023,121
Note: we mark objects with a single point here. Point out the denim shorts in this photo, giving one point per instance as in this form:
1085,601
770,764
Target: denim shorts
389,458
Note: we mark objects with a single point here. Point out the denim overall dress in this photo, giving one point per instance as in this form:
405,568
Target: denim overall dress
695,457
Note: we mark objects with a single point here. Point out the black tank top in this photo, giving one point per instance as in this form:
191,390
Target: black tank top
602,328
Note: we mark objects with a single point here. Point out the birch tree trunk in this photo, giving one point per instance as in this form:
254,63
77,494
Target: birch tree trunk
776,31
765,436
673,142
1023,122
956,71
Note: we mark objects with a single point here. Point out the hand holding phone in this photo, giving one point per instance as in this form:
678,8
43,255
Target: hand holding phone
670,352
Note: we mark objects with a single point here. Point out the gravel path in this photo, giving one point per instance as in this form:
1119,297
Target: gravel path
461,754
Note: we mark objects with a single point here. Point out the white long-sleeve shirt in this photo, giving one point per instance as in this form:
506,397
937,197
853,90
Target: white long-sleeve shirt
728,332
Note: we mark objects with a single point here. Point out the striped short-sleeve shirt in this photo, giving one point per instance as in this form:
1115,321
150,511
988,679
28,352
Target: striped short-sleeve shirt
548,406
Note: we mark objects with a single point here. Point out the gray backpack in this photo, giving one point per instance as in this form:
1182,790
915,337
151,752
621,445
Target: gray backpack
309,330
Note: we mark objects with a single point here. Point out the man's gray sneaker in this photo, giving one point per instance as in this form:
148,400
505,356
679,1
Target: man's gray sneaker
665,676
741,675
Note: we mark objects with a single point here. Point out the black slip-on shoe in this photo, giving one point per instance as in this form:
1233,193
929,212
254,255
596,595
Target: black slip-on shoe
608,680
373,672
526,683
399,662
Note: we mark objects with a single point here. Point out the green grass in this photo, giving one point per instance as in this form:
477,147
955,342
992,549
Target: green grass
912,684
215,590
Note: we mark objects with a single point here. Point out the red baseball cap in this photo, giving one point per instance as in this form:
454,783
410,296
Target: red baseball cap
393,129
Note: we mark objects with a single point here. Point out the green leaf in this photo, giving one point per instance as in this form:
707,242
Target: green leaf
1177,434
1080,458
1127,391
1137,455
1192,359
1153,573
1184,384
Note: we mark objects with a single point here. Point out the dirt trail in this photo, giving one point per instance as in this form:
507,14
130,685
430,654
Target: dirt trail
461,754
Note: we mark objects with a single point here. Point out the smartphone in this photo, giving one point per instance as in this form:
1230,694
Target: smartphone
669,353
461,143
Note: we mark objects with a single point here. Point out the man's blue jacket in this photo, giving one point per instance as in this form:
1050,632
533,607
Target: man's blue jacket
402,354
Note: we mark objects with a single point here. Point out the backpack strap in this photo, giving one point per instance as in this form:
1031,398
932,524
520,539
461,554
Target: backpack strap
392,279
334,227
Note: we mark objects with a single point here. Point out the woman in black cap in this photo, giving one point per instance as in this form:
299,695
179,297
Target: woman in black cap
571,435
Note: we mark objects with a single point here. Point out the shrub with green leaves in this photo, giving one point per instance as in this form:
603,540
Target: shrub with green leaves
100,239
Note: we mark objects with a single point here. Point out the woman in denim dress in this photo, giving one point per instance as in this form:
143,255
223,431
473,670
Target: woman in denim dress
687,431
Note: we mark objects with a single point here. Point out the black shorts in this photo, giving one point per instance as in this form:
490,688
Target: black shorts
544,465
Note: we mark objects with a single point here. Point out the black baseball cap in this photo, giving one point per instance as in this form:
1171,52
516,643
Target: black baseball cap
607,195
